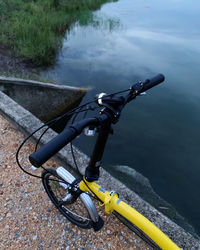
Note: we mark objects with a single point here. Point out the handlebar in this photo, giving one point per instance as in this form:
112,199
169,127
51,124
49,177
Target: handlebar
68,134
148,83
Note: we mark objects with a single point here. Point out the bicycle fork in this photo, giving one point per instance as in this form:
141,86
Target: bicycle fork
97,222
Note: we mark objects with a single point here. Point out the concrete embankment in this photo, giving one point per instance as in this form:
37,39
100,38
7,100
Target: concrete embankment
44,100
27,123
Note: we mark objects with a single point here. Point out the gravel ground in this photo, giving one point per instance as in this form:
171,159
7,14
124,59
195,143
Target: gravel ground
28,218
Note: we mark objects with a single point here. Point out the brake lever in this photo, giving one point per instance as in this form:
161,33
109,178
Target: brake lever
136,90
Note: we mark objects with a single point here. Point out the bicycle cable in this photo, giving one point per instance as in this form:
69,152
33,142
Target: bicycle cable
76,165
51,123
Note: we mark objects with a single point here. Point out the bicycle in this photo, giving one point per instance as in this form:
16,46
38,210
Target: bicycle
70,195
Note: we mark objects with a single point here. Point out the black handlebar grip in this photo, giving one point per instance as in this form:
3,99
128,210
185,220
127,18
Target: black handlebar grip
150,83
52,147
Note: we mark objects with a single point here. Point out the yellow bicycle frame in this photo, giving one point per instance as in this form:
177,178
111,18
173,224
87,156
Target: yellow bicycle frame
113,203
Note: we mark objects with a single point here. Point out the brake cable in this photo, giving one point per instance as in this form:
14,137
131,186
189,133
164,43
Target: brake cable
51,123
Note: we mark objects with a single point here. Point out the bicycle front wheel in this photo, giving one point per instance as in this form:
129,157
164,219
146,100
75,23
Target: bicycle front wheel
58,191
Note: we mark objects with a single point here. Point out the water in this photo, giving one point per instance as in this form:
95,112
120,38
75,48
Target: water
159,134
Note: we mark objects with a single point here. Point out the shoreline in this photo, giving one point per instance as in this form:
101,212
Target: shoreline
11,65
34,30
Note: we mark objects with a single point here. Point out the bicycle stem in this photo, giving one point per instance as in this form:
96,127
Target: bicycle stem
92,171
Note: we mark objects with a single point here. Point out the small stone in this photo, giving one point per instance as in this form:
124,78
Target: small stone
9,215
1,218
26,239
34,237
67,229
121,237
108,231
16,235
17,184
6,226
8,166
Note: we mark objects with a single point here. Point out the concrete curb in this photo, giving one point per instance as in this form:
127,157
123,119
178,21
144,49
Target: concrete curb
27,123
44,100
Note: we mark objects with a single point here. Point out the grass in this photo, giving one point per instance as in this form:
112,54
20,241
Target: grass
34,29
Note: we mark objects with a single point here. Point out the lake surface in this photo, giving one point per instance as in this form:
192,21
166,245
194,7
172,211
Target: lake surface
158,134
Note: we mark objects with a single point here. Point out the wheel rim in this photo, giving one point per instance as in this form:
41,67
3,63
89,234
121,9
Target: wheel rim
75,211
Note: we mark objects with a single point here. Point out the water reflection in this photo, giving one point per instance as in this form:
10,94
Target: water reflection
168,37
102,22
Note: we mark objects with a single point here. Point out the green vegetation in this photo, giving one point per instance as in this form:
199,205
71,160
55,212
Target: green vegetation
34,29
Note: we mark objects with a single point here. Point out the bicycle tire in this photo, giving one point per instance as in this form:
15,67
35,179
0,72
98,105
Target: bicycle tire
136,230
74,211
